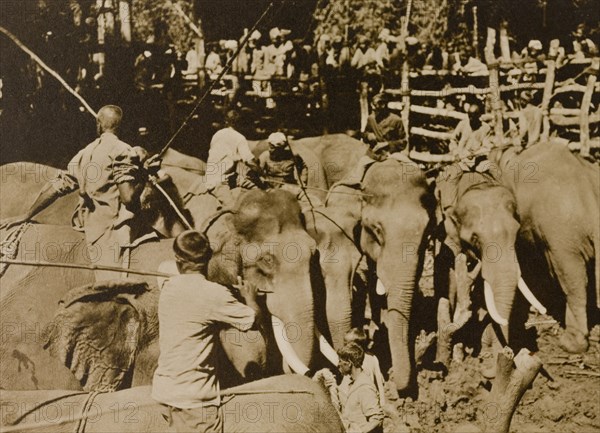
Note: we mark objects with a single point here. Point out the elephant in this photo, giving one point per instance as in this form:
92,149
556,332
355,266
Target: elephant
397,207
528,232
265,242
557,198
289,403
480,220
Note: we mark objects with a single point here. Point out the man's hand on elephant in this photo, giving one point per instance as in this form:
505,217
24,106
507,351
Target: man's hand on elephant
248,291
8,223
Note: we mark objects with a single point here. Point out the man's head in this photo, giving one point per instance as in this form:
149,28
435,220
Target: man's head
358,336
350,356
109,119
380,103
192,252
474,112
232,118
277,140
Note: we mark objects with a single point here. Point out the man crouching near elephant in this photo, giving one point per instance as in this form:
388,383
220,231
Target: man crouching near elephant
190,309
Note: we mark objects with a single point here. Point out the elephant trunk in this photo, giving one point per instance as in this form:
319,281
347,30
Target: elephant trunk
297,319
501,278
400,284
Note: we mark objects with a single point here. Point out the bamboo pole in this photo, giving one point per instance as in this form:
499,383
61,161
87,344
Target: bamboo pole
46,68
548,88
584,128
406,99
475,33
495,99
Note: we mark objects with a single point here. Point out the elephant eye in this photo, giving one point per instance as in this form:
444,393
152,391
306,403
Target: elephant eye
267,264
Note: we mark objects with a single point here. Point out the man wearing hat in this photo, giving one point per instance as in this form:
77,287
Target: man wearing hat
282,168
191,311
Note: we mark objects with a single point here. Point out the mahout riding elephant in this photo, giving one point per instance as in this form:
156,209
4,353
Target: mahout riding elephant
336,154
290,403
266,244
21,182
557,199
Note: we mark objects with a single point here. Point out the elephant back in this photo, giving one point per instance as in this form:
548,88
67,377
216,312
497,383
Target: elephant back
20,184
288,403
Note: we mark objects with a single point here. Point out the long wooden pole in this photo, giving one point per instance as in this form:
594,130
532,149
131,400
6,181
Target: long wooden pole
548,88
47,68
584,117
496,101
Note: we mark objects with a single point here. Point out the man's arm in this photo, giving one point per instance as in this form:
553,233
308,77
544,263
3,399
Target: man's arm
51,191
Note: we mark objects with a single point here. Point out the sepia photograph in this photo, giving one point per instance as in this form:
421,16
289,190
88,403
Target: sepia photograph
290,216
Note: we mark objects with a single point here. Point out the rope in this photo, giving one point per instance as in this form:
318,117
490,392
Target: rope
329,191
87,404
48,69
225,70
9,247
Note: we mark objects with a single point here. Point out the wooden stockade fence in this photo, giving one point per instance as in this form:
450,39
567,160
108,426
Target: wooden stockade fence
564,117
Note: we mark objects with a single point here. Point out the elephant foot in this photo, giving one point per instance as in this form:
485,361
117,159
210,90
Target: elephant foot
574,341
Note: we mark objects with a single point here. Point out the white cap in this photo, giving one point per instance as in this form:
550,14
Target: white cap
274,32
384,34
231,45
534,44
277,139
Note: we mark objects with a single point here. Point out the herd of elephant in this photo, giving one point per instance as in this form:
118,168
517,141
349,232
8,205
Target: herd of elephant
534,223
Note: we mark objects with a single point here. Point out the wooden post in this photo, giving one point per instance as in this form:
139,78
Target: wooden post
586,101
364,104
406,101
504,43
475,33
495,99
513,377
549,88
125,20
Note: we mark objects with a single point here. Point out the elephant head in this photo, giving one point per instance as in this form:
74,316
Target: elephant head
486,224
276,254
397,206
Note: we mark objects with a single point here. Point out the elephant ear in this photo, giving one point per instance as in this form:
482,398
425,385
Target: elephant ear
97,330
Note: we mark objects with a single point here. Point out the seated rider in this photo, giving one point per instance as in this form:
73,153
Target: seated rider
470,145
230,161
384,134
281,167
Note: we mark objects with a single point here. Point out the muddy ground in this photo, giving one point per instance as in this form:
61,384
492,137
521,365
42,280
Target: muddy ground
564,398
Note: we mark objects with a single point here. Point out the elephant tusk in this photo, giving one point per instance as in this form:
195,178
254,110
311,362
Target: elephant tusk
326,349
491,305
380,288
287,351
530,296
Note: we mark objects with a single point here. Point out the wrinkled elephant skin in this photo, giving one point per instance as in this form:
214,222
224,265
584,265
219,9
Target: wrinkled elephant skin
278,404
397,207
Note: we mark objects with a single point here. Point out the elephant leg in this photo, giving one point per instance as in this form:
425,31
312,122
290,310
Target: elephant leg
572,275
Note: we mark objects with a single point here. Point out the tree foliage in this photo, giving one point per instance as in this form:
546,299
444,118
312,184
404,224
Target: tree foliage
159,18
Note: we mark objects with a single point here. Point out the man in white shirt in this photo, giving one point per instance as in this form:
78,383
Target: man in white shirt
191,310
229,148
